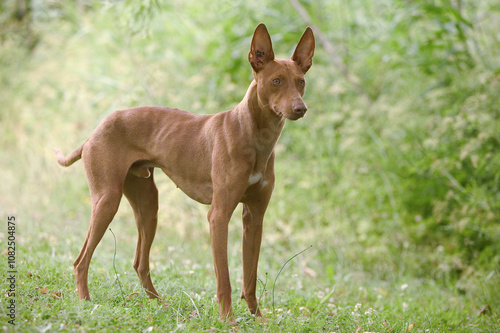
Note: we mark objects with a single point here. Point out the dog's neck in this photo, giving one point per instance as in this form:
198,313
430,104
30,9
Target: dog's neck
261,124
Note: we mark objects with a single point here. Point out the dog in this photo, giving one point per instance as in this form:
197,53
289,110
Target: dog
219,160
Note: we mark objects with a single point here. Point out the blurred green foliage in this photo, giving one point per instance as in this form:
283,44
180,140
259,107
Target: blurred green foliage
399,152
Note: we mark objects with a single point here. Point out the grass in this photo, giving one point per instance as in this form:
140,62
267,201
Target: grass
396,191
341,299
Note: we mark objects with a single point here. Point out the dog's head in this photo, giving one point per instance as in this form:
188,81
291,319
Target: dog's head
281,83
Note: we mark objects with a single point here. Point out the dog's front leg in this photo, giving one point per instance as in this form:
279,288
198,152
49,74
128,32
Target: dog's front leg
224,201
218,234
230,181
253,217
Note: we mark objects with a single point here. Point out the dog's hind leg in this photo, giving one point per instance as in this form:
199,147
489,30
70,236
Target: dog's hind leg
142,195
104,207
105,180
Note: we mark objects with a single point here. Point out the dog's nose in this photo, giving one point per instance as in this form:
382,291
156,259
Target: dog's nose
299,109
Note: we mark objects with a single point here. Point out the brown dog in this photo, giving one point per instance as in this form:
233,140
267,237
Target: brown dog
221,160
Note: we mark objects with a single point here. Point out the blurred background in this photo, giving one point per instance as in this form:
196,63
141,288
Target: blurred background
395,170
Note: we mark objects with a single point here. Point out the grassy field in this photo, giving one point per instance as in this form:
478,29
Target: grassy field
391,184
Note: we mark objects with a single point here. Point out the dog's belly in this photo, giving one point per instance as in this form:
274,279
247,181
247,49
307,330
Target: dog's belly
199,190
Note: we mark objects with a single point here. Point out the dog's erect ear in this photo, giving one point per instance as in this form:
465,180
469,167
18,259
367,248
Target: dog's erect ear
261,49
305,50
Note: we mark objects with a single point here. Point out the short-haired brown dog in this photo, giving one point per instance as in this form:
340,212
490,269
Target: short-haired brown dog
221,159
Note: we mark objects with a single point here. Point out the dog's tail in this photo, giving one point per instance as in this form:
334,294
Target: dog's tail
70,159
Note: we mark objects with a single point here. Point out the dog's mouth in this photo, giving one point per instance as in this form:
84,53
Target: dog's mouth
290,116
296,116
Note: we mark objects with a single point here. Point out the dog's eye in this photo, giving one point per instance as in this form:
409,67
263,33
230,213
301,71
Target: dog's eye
276,81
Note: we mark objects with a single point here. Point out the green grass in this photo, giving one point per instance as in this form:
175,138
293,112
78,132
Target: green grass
393,177
311,295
